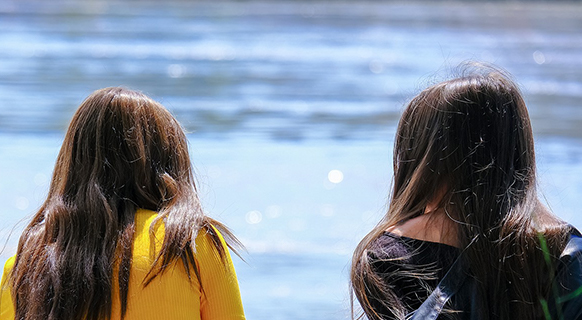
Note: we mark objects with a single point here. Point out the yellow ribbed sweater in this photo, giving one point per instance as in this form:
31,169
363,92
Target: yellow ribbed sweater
170,295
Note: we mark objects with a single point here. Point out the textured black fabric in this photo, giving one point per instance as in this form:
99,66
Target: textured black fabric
567,302
449,286
413,268
391,254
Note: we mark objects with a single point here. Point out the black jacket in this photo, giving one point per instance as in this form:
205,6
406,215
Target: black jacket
565,304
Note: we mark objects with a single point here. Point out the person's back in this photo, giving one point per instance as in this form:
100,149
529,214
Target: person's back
465,231
171,295
122,234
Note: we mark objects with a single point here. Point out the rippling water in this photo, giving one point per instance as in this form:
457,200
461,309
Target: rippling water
293,70
275,96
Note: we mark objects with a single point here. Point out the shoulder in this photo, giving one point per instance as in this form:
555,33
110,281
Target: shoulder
569,266
6,303
9,263
142,239
389,253
569,279
209,232
570,260
388,246
432,227
8,268
412,228
210,243
573,248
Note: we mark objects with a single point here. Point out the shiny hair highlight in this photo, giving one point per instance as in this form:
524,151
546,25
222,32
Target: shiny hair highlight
468,142
122,151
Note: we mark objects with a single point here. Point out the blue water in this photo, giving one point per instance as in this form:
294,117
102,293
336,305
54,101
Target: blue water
275,96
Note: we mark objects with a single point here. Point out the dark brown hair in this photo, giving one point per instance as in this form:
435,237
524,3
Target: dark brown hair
122,151
469,142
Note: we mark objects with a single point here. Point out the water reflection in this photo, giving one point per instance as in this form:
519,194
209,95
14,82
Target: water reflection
291,108
284,71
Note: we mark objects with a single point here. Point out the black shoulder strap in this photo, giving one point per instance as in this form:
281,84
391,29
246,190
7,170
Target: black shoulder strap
457,275
448,286
574,244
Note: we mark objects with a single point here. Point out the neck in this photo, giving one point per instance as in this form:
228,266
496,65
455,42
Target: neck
434,226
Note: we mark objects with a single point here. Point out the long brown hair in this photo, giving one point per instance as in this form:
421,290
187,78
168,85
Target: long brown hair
122,151
468,142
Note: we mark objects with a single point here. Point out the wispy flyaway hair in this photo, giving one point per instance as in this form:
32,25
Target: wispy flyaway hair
122,151
469,142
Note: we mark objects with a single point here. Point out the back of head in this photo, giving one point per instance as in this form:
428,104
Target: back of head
466,144
122,151
128,146
468,141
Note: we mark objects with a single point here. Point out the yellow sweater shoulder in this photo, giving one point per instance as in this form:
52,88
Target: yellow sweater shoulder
170,295
6,303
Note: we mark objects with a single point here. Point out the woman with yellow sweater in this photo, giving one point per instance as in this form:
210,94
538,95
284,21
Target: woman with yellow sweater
122,234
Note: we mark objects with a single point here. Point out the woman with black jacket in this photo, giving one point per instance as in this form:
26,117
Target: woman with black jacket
465,235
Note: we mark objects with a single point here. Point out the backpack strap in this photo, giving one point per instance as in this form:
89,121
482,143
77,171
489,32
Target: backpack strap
566,301
569,300
573,245
447,287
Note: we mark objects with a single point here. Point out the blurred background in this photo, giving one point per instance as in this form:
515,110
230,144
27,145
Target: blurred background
291,109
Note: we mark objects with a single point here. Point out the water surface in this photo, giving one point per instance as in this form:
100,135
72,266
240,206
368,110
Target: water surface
276,95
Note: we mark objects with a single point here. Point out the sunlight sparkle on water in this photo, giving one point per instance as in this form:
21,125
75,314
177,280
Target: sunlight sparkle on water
273,211
539,57
176,71
254,217
21,203
335,176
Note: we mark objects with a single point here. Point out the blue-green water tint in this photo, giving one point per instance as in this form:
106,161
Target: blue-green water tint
299,228
292,70
276,95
